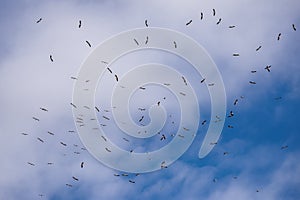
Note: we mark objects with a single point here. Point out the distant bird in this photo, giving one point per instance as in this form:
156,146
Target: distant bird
136,41
50,163
175,44
40,140
73,105
142,88
214,12
88,43
294,27
201,15
124,174
284,147
163,165
69,185
203,122
277,98
253,71
146,23
116,174
213,143
51,58
252,82
232,26
142,109
147,39
30,163
189,22
219,21
215,180
76,179
97,109
107,149
50,133
39,20
104,62
116,77
131,181
79,26
105,117
229,126
163,137
24,133
202,80
230,114
141,118
278,37
36,119
225,153
72,77
211,84
258,48
184,80
125,139
236,54
183,94
43,109
158,103
268,68
81,164
64,144
109,70
235,102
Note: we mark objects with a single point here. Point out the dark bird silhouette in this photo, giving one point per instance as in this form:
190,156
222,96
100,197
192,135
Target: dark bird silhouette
284,147
158,103
116,174
69,185
109,70
235,102
230,114
142,109
141,118
73,105
225,153
146,23
39,20
36,119
163,137
147,39
213,143
278,37
81,164
219,21
116,77
50,133
142,88
201,15
252,82
72,77
105,117
131,181
211,84
214,12
229,126
268,68
79,26
189,22
236,54
175,44
51,58
104,62
136,41
24,133
184,80
107,149
64,144
202,80
294,27
124,174
76,179
125,139
232,26
203,122
30,163
88,43
50,163
97,109
258,48
44,109
278,98
253,71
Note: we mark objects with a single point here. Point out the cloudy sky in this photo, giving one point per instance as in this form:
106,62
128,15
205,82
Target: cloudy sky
261,159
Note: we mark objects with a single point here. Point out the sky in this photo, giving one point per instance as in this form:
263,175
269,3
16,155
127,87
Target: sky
256,159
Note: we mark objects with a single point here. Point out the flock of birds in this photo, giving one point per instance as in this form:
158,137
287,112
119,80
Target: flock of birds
163,136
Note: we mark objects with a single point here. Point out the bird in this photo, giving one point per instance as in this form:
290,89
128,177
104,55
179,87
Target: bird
73,105
50,133
202,80
117,79
125,139
97,109
213,143
105,117
30,163
24,133
231,114
278,98
147,39
175,44
64,144
201,15
163,137
79,26
215,180
142,88
236,54
131,181
214,12
141,118
268,68
124,174
278,37
229,126
142,109
211,84
253,71
44,109
163,165
184,80
39,20
183,94
252,82
225,153
36,119
51,58
158,103
284,147
76,179
116,174
88,43
136,41
203,122
232,26
50,163
219,21
81,164
189,22
235,102
146,23
40,140
109,70
72,77
294,27
69,185
258,48
107,149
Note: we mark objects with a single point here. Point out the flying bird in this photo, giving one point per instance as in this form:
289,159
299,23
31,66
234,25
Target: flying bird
107,149
73,105
253,71
189,22
64,144
278,98
146,23
69,185
116,77
81,164
76,179
232,26
203,122
51,58
211,84
39,20
105,117
202,80
225,153
175,44
284,147
136,41
88,43
268,68
214,12
79,26
201,15
278,37
252,82
158,103
142,109
142,88
109,70
219,21
230,114
44,109
229,126
184,80
97,109
236,54
141,118
50,133
147,39
30,163
294,27
258,48
24,133
36,119
131,181
235,102
72,77
163,137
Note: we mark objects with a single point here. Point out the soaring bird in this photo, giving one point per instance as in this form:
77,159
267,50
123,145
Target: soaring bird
235,102
258,48
72,77
201,15
284,147
252,82
175,44
146,23
79,26
202,80
147,39
69,185
214,12
24,133
136,41
116,77
39,20
229,126
51,58
43,109
107,149
268,68
88,43
36,119
253,71
219,21
231,114
232,26
203,122
189,22
30,163
278,37
236,54
131,181
109,70
73,105
97,108
64,144
294,27
141,118
50,133
163,137
76,179
81,164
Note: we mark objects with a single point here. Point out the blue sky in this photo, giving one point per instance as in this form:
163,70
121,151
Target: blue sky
262,122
